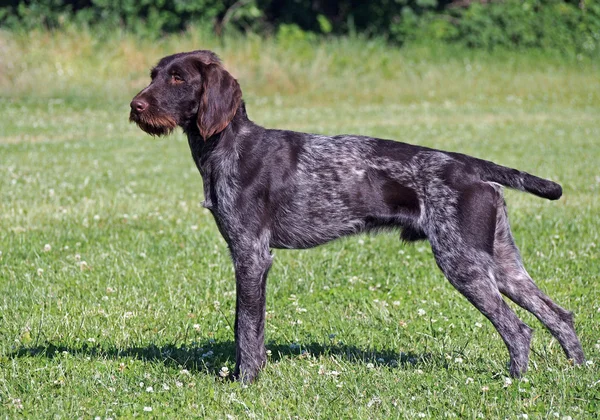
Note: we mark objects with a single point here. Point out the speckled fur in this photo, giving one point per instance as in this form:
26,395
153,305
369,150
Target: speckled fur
282,189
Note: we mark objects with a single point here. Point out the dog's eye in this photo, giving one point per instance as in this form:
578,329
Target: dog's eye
175,78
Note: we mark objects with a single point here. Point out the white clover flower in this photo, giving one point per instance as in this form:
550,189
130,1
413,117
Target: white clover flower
421,312
485,388
469,381
148,409
196,327
507,382
478,324
40,271
458,360
224,372
370,365
47,248
150,389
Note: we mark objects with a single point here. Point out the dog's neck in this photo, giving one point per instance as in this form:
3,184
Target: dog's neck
221,149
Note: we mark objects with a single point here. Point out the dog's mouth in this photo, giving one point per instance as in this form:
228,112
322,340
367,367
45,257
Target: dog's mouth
155,125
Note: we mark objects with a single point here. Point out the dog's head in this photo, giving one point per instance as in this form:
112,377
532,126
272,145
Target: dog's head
186,89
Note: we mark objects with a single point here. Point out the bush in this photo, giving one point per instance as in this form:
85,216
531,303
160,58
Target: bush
550,24
147,17
569,26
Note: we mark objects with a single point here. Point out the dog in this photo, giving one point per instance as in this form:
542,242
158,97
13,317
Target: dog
282,189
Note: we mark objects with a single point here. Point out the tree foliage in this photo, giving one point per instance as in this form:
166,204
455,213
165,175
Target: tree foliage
568,25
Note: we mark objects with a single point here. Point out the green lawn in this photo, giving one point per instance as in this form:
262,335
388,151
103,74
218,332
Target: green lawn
116,289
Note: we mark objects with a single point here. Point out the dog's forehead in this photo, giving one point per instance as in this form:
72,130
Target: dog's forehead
201,56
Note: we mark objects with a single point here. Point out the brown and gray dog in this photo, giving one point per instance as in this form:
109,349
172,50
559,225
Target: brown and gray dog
281,189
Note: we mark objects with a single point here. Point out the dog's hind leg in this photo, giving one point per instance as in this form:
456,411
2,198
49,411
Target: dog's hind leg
460,234
515,283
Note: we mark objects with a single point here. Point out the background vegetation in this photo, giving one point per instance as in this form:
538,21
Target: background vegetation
568,26
116,290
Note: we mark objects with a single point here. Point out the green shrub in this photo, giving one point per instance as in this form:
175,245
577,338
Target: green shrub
549,24
568,26
141,16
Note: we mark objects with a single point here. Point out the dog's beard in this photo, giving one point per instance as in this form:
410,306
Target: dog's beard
155,125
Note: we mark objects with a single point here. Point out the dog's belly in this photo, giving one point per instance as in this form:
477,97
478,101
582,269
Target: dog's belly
298,234
323,223
317,214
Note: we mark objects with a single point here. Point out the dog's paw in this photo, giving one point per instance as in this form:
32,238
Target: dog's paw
246,371
246,374
517,369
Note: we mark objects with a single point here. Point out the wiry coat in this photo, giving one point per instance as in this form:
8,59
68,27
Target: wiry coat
283,189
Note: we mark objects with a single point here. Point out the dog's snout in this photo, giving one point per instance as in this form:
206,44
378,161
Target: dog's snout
138,105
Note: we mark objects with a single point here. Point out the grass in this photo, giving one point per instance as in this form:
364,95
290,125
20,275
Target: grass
130,306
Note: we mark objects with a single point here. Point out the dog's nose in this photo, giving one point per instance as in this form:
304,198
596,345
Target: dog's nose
138,105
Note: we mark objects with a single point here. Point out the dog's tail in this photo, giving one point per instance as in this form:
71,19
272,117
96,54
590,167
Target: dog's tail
513,178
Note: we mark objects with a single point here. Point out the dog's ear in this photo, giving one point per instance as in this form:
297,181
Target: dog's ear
220,98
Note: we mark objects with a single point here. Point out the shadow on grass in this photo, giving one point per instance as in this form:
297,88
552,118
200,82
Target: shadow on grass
208,357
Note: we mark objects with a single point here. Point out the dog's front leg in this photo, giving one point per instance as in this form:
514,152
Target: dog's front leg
252,265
